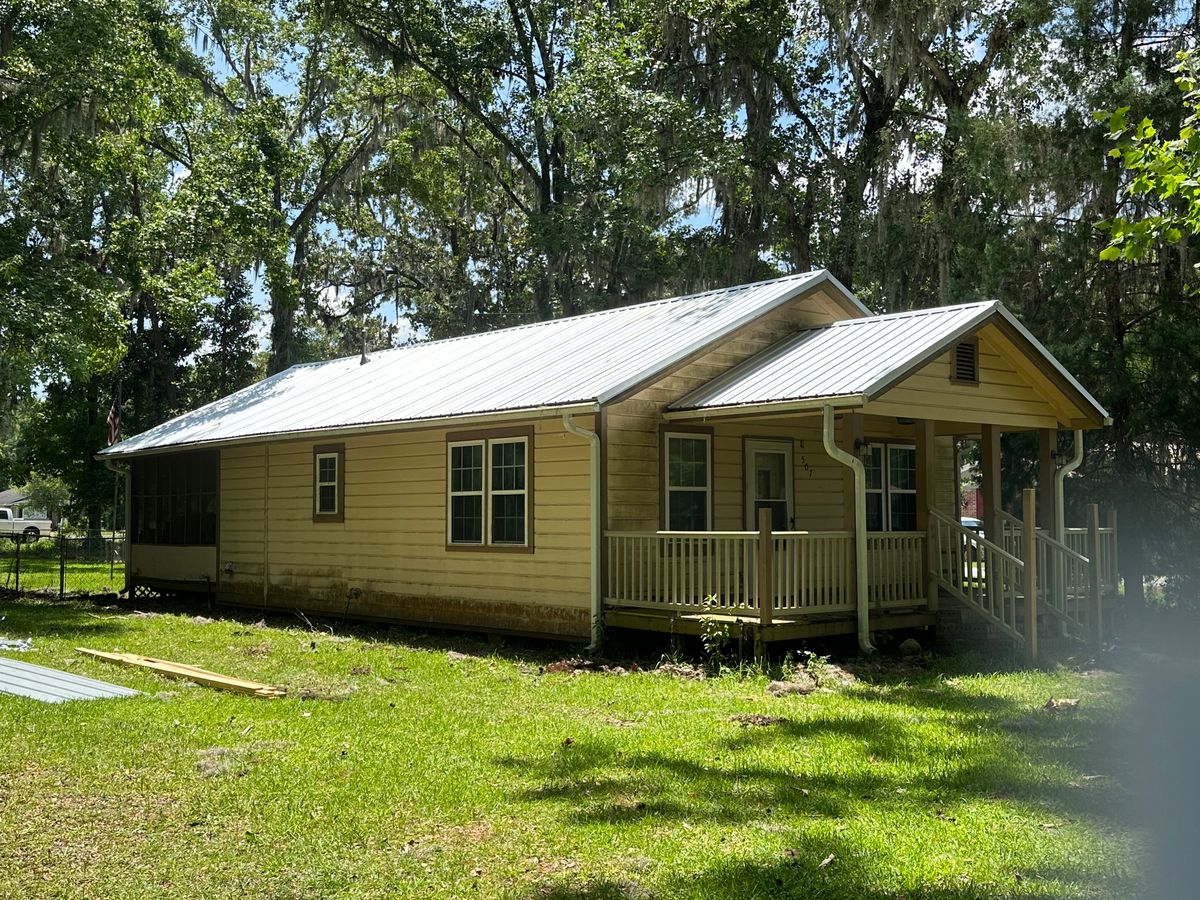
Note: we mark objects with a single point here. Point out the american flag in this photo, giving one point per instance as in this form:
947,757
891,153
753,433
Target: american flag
114,424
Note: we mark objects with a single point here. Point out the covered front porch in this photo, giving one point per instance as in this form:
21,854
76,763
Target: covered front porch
814,490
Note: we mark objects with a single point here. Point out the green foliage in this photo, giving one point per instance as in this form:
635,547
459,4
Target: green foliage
714,637
1164,175
47,493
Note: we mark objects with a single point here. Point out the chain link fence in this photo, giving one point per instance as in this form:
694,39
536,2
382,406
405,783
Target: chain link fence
62,566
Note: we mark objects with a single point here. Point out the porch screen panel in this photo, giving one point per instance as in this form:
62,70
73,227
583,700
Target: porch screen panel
174,499
688,482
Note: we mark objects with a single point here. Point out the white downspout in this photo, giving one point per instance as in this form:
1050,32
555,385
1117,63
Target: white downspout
1060,477
594,492
860,530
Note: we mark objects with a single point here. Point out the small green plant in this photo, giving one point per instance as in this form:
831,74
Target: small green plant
714,638
815,665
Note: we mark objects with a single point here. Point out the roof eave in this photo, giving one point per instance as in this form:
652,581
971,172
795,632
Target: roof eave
539,412
1102,418
769,407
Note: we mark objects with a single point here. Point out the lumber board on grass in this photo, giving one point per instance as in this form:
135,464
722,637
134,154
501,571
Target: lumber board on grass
192,673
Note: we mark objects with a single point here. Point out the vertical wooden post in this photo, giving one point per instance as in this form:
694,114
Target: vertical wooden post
1047,446
926,473
766,568
989,452
62,567
1094,584
1029,502
1116,555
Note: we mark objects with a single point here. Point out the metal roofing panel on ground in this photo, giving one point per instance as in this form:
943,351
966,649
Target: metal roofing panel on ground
587,359
24,679
856,356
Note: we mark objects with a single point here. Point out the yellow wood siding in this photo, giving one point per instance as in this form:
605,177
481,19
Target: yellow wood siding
632,439
162,562
1008,393
392,544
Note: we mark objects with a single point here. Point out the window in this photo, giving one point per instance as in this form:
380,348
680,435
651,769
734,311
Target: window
329,483
174,499
688,484
964,362
891,471
489,484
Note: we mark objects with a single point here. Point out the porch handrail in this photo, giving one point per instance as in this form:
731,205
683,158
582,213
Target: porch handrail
981,574
1064,581
1004,554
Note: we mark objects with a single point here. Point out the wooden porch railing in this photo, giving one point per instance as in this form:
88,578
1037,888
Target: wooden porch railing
983,575
683,569
1078,540
811,571
1064,582
896,569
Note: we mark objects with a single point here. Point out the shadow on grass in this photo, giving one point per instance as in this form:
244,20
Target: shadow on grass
849,874
21,618
982,750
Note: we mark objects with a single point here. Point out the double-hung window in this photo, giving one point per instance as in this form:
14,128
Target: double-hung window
891,487
329,481
688,481
488,486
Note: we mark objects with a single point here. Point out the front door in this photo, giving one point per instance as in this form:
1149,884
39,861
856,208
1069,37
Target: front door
769,483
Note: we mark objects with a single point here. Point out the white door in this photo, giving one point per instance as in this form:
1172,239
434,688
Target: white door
769,483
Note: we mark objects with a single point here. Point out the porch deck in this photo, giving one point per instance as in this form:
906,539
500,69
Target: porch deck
776,586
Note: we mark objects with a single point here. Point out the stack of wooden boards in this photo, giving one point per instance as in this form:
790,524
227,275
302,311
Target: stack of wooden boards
191,673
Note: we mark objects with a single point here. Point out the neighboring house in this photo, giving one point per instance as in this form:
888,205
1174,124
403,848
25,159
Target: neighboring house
619,467
14,499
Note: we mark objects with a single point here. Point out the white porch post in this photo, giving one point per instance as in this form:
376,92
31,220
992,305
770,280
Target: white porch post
926,478
990,464
1047,447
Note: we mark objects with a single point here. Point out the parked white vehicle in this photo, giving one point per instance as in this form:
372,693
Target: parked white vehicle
22,528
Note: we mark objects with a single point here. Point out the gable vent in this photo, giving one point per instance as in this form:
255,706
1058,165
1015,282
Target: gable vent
965,362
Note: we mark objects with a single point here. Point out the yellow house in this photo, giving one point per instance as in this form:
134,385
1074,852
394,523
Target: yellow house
770,453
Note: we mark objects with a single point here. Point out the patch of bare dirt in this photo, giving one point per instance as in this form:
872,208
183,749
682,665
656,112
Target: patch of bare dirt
759,720
579,666
680,670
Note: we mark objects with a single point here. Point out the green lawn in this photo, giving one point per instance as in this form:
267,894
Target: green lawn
41,573
438,776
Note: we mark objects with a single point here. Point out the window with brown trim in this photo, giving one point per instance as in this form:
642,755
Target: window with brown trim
891,471
488,482
688,481
329,483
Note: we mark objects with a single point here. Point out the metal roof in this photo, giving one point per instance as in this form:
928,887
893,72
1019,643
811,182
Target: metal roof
856,358
581,361
13,497
24,679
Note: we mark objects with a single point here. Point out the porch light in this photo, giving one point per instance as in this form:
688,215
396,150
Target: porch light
862,449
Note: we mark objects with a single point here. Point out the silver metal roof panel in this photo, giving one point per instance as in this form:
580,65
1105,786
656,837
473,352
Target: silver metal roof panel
559,364
24,679
860,357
